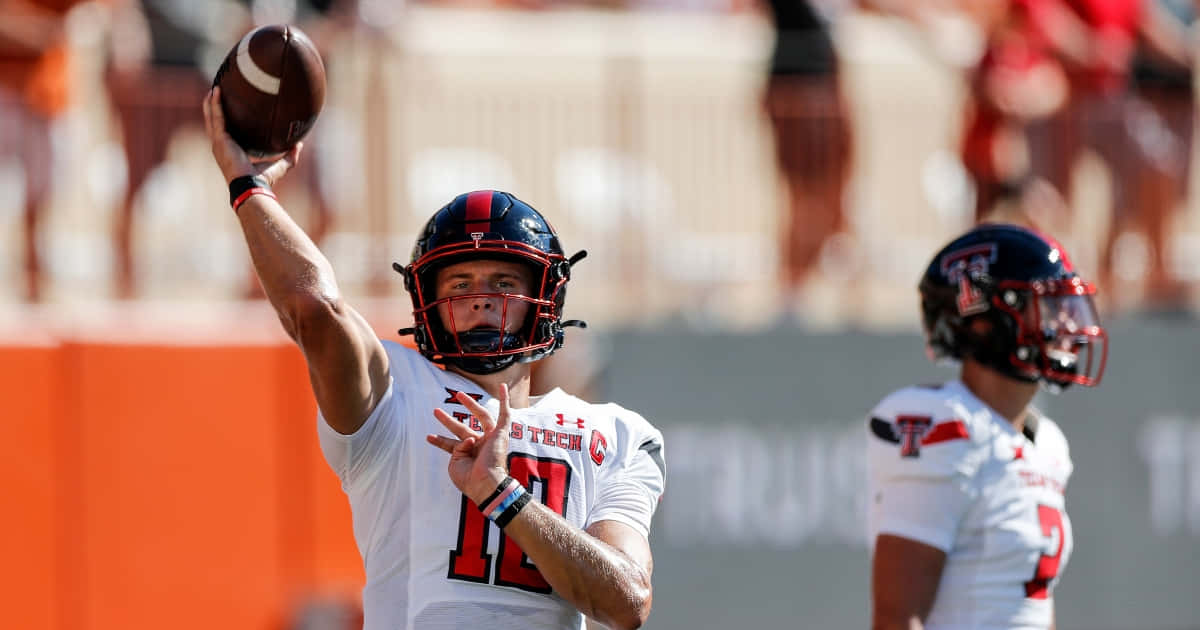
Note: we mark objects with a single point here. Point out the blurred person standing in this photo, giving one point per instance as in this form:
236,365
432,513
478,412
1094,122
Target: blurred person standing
1017,80
1164,122
327,23
966,479
812,134
34,89
156,73
461,541
163,57
1095,41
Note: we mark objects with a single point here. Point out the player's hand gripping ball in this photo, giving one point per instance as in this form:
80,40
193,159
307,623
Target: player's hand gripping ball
272,89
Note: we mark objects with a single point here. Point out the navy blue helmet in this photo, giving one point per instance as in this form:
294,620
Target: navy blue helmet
1009,298
488,225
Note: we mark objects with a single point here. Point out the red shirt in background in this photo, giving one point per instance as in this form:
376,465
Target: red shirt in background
1113,25
42,79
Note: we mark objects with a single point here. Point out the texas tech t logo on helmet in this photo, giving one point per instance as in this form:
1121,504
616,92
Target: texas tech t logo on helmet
960,268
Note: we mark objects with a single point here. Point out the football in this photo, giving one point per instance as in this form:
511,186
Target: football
272,89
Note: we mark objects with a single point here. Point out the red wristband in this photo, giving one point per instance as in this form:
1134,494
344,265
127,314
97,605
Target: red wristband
237,203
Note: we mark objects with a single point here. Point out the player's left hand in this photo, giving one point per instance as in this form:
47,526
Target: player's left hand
478,461
230,157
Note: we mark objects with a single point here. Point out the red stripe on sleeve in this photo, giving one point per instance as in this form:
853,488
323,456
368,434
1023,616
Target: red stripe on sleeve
479,211
946,431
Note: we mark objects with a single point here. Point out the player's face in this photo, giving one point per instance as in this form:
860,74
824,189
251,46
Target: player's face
479,289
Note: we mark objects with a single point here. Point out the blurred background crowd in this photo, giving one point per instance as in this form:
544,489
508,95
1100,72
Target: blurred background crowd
729,163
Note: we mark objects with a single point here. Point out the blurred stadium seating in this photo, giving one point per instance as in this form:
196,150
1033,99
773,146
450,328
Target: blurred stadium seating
639,133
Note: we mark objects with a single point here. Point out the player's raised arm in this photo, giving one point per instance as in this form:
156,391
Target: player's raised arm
346,361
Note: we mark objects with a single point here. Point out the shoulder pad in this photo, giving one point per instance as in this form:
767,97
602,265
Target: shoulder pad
918,416
919,431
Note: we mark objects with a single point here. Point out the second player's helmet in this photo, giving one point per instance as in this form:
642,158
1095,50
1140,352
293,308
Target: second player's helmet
1038,319
488,224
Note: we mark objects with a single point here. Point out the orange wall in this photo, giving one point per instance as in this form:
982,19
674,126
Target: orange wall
29,486
180,486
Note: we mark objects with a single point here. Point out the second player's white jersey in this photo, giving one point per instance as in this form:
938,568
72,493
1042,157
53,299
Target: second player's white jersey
432,560
948,471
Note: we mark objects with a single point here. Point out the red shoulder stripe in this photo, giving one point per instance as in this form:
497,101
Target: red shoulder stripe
945,432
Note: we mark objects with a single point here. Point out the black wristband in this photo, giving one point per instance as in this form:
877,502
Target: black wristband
504,503
512,510
240,185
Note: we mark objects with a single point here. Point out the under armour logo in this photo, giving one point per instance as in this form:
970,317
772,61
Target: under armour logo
563,421
912,429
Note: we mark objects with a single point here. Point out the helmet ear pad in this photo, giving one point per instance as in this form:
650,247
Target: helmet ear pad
991,339
988,338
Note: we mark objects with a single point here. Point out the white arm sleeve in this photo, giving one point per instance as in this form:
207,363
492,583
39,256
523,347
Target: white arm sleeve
927,510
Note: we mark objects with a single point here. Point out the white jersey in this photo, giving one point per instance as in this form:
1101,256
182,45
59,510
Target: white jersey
948,471
432,560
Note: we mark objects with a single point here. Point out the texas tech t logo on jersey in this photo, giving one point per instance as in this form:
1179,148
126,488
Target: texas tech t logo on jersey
960,265
912,429
908,431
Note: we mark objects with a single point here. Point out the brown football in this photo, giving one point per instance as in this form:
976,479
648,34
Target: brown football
272,89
